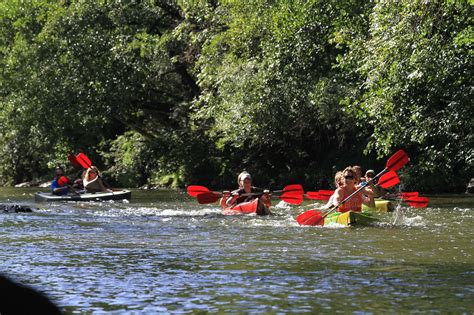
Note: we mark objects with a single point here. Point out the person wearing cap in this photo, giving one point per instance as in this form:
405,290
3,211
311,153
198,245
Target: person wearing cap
244,180
379,191
370,174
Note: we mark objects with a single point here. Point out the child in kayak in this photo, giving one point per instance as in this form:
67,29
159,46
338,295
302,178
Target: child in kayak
244,180
93,182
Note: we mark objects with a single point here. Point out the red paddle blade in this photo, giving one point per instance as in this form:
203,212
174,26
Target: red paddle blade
194,190
63,180
292,198
83,160
328,193
293,189
408,194
313,195
397,161
388,180
310,217
208,197
418,202
73,160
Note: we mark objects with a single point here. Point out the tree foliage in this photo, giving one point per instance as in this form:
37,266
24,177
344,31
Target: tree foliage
170,93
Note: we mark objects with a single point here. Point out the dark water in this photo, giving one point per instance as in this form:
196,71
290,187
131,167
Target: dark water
164,253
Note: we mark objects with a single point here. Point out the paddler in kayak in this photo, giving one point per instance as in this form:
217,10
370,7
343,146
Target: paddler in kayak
365,195
232,199
93,182
60,184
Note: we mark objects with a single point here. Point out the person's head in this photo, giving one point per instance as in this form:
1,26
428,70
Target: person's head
370,174
244,179
58,171
338,179
357,172
92,172
349,176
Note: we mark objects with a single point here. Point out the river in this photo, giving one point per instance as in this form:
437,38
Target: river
165,253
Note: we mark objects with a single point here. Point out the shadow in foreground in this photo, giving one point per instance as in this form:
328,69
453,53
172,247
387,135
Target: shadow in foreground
19,299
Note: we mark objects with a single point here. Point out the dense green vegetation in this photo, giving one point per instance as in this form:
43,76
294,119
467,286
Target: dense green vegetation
171,93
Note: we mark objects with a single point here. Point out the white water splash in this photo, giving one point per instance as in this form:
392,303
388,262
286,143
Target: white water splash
400,218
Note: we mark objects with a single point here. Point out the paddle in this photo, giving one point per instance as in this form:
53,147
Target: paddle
292,194
73,160
63,180
211,197
194,190
394,163
417,202
296,189
315,195
83,160
407,194
388,180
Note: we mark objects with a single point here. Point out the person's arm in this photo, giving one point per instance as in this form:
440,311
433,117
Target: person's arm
56,189
370,191
337,197
233,198
369,201
225,196
86,181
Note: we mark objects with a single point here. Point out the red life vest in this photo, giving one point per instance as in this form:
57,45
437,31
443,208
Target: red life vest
354,204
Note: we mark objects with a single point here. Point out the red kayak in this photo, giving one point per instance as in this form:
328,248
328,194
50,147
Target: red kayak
249,207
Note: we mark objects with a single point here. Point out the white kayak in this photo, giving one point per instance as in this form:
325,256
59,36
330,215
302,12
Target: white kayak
99,196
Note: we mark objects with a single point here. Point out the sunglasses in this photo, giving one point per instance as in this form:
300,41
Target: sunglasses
349,177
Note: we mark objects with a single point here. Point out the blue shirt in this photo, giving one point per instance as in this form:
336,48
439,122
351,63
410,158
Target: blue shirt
54,185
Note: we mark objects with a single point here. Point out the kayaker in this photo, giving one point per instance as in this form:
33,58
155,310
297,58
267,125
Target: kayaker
348,187
358,174
93,182
60,184
379,191
338,182
235,197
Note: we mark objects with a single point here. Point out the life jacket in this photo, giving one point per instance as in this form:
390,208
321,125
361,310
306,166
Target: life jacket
354,204
241,191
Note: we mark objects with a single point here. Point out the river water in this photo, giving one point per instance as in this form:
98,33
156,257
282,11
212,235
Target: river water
164,253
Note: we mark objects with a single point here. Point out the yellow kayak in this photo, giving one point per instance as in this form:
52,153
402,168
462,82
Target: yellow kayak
380,206
350,218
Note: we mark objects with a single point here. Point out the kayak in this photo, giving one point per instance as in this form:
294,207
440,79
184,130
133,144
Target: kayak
350,218
249,207
99,196
381,205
